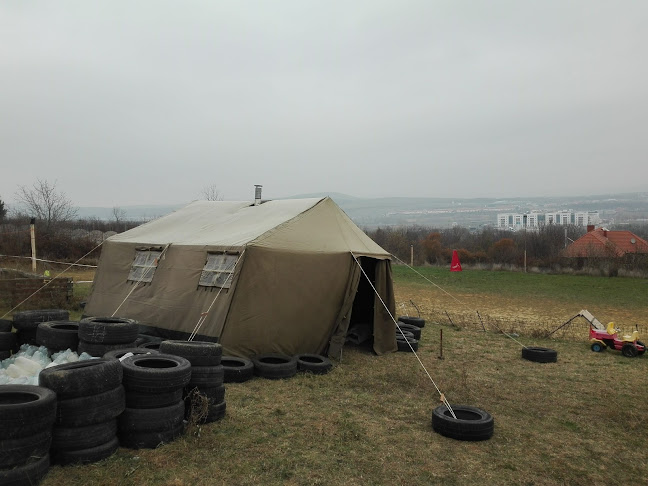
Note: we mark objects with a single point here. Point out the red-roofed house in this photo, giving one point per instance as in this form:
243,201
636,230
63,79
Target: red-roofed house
601,243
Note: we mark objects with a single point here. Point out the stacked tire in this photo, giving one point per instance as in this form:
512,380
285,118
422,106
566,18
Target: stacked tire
90,397
408,333
27,414
204,395
155,408
58,335
7,339
26,323
98,335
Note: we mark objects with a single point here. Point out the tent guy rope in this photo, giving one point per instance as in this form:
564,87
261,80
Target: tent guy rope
441,395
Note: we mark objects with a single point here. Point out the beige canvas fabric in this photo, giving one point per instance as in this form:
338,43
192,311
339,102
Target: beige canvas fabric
293,285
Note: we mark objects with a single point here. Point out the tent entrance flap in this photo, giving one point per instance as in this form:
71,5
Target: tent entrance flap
361,324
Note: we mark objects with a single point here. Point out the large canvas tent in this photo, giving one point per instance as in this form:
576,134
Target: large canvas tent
281,276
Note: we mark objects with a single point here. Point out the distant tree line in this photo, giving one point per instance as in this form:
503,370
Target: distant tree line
540,249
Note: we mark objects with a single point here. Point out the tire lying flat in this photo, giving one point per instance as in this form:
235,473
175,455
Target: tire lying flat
415,321
274,366
237,370
471,423
540,355
313,363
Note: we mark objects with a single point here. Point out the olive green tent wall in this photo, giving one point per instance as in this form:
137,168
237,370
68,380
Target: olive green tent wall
292,289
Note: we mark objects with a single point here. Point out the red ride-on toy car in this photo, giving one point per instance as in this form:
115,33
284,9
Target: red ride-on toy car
630,346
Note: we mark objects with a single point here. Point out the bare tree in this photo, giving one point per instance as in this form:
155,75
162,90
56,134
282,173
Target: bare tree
44,202
119,214
3,209
211,193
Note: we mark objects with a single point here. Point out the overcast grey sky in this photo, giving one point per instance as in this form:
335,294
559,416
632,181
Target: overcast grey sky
148,102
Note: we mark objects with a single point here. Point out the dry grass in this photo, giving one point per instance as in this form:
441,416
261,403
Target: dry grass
581,421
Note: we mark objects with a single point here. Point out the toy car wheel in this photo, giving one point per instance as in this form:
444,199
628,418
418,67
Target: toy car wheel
643,350
629,350
597,347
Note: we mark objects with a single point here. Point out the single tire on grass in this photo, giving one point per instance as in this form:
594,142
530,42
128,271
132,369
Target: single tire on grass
540,355
471,423
82,378
313,363
274,365
237,370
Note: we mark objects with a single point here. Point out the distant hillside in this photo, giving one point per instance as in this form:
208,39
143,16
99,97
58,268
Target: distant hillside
437,212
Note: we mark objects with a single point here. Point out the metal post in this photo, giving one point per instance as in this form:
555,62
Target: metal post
411,255
440,343
32,233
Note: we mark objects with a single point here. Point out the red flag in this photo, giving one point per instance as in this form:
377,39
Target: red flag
455,265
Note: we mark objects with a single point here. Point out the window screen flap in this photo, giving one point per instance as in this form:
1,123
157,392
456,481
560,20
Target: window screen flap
218,270
144,265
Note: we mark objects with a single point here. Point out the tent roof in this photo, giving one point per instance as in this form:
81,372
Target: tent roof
316,224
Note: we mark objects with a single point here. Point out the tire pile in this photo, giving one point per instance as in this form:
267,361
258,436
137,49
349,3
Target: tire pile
58,335
98,335
27,414
90,397
26,323
407,338
7,339
204,395
155,409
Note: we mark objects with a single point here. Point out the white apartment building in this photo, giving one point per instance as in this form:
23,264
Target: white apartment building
516,221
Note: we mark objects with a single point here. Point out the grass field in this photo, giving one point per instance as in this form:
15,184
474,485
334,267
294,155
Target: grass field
580,421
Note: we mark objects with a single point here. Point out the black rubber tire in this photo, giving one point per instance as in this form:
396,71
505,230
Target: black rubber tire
598,347
27,474
540,355
82,378
136,399
216,412
629,350
78,438
237,370
150,345
4,355
199,353
644,348
407,344
274,366
214,394
415,321
30,319
151,419
156,374
26,336
415,330
98,350
313,363
5,325
7,341
144,338
92,409
18,451
108,330
206,376
472,423
25,410
118,353
404,334
150,439
58,335
86,456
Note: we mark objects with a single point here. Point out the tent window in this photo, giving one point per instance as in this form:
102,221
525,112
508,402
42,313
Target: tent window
144,265
218,270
